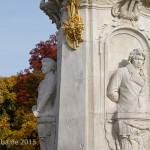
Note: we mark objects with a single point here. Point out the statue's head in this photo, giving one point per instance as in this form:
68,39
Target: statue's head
48,65
137,58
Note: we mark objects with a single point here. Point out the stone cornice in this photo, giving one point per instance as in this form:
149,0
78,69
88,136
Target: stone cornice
54,8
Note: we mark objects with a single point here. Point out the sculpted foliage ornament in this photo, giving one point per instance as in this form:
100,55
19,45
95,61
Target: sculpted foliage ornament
73,27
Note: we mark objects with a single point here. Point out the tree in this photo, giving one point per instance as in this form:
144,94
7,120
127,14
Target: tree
27,85
16,122
17,96
42,50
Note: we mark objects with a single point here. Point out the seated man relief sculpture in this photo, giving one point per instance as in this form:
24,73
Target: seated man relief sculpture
128,88
46,108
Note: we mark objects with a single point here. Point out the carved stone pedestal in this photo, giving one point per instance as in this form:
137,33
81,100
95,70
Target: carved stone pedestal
46,127
128,131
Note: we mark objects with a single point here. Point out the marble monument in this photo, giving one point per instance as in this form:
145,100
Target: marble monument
91,56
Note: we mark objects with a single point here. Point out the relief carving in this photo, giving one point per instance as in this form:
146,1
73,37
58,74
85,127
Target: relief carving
145,7
107,27
126,9
128,128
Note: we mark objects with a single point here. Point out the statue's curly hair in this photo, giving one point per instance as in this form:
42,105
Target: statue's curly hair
51,61
135,52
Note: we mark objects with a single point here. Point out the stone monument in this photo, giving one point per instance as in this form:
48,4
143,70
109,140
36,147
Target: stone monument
46,108
95,39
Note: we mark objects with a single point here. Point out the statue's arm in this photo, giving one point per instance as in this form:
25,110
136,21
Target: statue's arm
114,85
49,89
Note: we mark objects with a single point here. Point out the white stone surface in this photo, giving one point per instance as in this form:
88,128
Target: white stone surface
46,109
83,74
128,88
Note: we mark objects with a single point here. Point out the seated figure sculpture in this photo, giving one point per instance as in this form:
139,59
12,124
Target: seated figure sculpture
46,108
128,88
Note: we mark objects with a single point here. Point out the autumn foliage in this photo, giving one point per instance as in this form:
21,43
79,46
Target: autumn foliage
26,86
42,50
17,96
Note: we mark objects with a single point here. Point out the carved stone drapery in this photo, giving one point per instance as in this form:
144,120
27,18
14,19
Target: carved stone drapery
52,8
127,9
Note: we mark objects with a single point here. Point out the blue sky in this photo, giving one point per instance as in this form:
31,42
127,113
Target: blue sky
22,26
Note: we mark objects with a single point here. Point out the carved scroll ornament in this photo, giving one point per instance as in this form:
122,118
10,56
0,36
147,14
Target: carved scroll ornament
126,9
73,27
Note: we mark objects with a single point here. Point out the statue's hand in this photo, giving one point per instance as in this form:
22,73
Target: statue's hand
35,112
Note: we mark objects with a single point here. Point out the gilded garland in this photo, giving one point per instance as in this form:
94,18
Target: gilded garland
73,27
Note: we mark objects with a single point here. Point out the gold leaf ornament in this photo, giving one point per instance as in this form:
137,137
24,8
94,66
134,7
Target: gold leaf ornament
73,27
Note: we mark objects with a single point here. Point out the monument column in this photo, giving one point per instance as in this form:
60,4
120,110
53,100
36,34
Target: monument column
81,120
111,31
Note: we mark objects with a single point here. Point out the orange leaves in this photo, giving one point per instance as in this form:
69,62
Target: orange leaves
27,85
17,96
42,50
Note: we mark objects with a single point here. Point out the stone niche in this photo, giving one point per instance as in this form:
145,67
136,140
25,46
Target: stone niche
118,44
